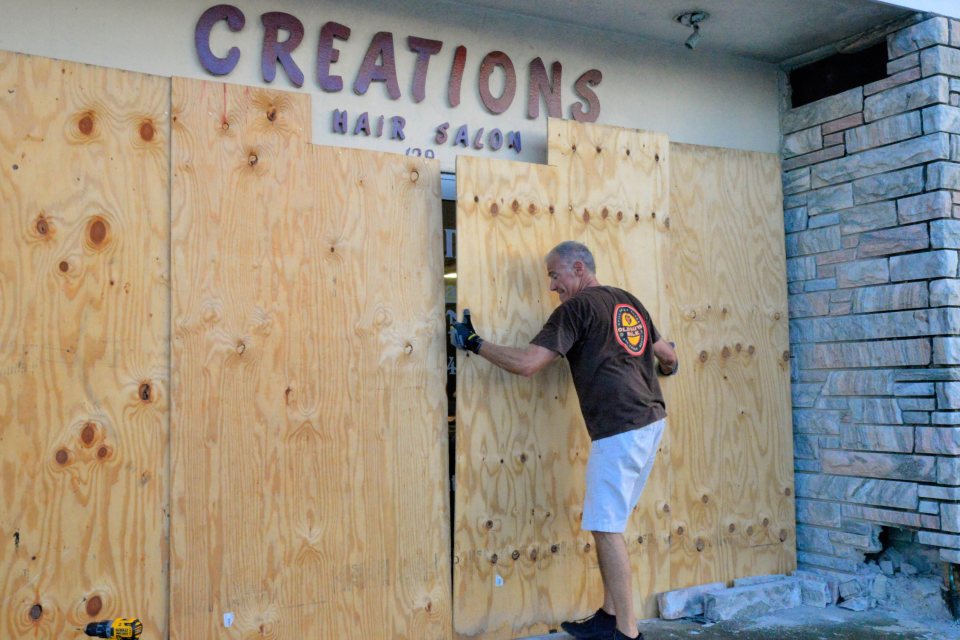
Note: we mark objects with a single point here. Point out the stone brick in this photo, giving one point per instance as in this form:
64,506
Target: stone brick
939,493
916,417
815,512
831,404
909,295
829,442
814,539
950,517
945,234
814,241
747,581
823,220
894,324
863,272
869,437
890,241
919,36
820,284
859,383
891,81
929,507
884,493
894,184
948,395
885,131
816,422
945,440
830,199
805,446
935,146
853,120
874,411
804,394
803,141
945,417
804,268
795,219
907,97
950,555
928,264
832,139
913,389
938,539
809,304
885,516
833,257
917,404
945,292
797,180
940,60
848,565
892,466
825,110
886,353
905,62
815,157
927,206
860,603
800,464
751,601
941,118
684,603
948,471
955,33
946,350
943,175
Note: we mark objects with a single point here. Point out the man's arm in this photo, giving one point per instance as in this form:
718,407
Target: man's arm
524,361
666,355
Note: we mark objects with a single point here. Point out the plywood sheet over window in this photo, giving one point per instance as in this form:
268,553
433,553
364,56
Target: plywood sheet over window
705,255
521,560
309,434
84,303
732,438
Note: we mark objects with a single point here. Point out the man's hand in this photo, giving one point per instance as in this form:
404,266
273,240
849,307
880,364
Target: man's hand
667,354
463,336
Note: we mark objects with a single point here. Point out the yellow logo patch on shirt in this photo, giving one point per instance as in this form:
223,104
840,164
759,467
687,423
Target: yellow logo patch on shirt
630,329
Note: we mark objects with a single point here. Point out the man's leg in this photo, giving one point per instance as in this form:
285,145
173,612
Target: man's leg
617,583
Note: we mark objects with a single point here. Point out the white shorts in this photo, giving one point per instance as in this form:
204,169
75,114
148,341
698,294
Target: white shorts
617,471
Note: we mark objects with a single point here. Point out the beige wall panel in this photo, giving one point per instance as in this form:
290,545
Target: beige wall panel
84,301
732,453
309,437
522,564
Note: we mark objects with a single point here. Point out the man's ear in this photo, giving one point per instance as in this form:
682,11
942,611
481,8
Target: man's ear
578,267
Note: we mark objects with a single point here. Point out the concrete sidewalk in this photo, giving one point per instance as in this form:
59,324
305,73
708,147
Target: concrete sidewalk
804,623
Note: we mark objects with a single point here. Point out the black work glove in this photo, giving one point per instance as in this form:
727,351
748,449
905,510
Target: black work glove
463,336
676,365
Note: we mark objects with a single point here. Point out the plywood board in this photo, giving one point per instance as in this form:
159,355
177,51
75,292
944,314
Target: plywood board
521,559
733,449
309,435
84,302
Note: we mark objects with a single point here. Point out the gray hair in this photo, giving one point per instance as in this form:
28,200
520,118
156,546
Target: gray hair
569,251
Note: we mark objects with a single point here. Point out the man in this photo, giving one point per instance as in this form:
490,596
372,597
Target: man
613,350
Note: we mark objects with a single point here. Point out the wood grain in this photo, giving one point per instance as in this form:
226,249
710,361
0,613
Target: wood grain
521,444
733,450
309,436
84,302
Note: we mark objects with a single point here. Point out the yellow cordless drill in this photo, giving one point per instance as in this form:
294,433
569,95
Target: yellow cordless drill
117,628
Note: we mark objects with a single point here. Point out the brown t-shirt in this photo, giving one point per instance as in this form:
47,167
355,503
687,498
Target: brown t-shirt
607,337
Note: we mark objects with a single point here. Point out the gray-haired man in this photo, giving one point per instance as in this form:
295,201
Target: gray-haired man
614,352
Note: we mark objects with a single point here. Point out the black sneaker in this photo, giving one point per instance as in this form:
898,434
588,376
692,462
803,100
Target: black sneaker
619,636
599,626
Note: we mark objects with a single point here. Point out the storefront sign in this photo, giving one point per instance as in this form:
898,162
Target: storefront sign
379,65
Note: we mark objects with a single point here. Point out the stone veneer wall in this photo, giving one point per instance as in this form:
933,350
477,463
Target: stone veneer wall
871,203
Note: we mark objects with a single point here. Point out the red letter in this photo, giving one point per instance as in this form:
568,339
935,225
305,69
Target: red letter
582,86
274,50
497,59
380,46
424,49
201,36
326,55
456,75
540,86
